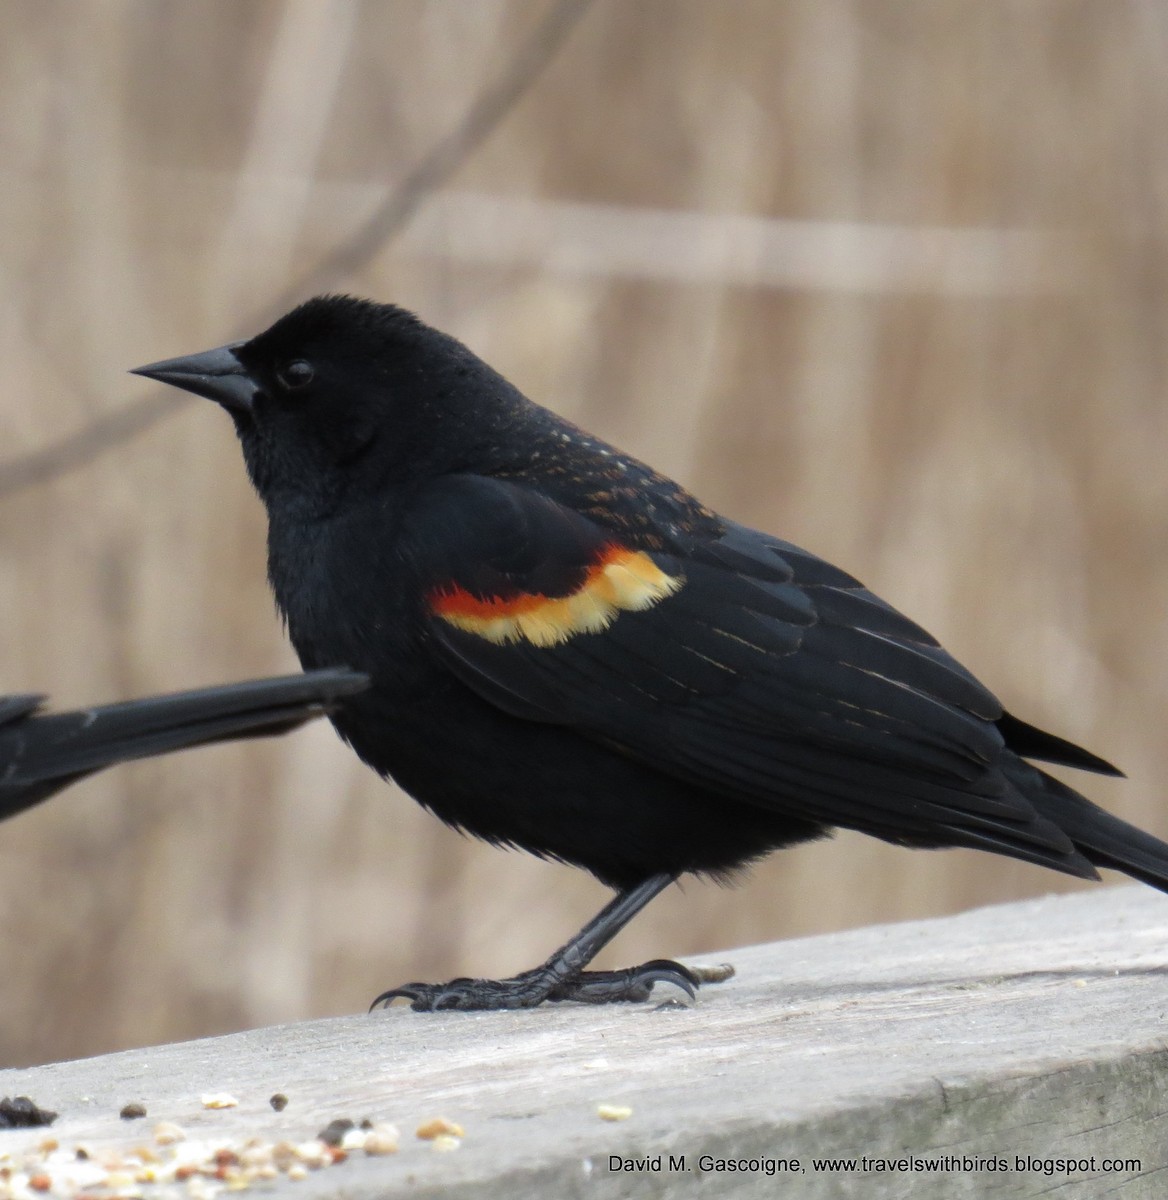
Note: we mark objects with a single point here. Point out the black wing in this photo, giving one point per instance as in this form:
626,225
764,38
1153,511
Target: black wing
741,661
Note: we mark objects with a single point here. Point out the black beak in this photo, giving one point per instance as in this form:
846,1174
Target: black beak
216,374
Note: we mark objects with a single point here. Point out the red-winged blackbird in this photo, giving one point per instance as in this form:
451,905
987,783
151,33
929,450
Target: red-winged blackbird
42,753
572,655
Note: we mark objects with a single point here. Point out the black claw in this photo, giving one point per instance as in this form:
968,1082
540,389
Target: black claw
470,995
408,991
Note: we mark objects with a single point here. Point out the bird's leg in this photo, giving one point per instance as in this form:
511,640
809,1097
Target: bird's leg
563,976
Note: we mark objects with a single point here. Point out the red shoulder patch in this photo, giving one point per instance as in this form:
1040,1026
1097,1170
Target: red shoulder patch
619,580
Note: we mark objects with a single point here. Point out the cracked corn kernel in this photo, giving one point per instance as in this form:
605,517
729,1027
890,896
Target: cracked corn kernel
436,1127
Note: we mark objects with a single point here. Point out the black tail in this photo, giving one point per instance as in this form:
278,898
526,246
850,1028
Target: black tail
1028,741
1103,840
41,754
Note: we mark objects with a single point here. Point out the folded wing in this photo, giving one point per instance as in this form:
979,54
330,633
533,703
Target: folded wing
740,661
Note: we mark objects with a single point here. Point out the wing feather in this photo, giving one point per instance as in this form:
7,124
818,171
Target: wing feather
764,673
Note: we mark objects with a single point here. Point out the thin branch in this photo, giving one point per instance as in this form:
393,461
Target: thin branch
444,160
451,152
78,449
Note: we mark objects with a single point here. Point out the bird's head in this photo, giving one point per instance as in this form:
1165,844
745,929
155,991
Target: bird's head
344,397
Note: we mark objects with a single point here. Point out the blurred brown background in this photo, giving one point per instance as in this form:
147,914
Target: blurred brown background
886,277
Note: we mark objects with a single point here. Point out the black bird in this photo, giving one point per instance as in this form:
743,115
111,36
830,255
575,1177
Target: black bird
41,753
572,655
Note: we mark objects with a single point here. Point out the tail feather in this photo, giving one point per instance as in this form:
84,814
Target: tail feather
1102,839
41,754
1028,741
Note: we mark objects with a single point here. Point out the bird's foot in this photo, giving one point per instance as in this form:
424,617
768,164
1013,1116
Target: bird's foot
468,995
544,983
632,985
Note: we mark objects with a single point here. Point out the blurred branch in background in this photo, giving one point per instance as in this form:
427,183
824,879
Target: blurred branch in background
435,167
78,449
672,246
441,163
621,243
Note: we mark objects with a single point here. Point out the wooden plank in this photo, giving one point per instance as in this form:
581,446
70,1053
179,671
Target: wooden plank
1034,1029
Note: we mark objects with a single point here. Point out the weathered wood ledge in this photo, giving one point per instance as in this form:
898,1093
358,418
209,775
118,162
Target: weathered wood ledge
1034,1030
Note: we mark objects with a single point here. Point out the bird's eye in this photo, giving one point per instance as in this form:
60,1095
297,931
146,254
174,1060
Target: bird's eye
296,374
